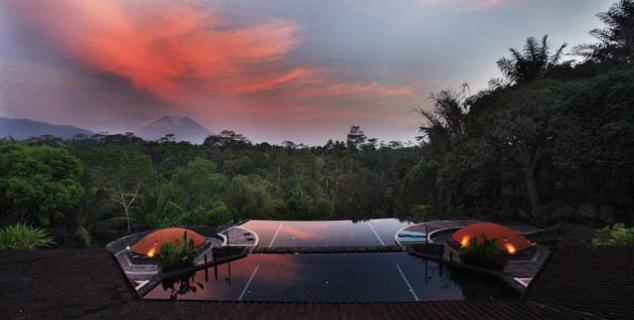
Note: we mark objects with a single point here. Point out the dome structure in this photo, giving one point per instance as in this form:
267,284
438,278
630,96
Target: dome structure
507,240
150,245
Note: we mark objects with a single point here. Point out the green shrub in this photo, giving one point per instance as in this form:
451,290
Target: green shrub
421,211
485,255
217,214
175,256
617,235
172,214
22,236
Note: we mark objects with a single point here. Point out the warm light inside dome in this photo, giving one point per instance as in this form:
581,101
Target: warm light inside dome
507,240
465,241
152,252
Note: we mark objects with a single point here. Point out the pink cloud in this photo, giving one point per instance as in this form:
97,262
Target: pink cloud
177,51
166,49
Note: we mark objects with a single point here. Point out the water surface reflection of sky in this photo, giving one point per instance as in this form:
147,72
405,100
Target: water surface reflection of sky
361,277
340,233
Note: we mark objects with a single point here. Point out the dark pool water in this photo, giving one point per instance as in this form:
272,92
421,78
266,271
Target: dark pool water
375,232
362,277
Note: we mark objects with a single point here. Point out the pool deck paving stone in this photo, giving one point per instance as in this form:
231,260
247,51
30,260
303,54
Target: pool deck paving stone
577,283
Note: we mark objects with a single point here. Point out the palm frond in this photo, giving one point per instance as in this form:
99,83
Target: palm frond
83,235
531,49
517,55
545,48
532,62
554,59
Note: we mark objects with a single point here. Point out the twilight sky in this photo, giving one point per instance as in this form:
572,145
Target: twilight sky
301,70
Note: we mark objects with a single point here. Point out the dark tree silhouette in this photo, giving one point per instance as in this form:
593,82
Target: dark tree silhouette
356,138
616,40
446,119
532,63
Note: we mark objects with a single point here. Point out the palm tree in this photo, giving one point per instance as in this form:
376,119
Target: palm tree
447,118
97,213
532,63
616,40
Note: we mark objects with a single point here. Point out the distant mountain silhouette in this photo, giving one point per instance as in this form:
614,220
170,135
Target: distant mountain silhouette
183,128
21,129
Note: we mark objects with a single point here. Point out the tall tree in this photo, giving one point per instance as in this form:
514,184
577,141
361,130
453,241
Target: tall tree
616,39
446,119
227,139
252,197
356,138
37,183
533,62
125,171
192,196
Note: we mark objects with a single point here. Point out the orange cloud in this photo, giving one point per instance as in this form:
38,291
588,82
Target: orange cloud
186,52
166,49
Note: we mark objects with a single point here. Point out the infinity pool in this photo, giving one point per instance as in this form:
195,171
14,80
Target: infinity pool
341,233
359,277
328,277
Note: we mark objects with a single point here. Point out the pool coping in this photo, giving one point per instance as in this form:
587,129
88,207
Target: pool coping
325,250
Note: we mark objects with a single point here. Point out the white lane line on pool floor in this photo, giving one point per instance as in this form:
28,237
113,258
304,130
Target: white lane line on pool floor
375,233
246,286
411,290
275,235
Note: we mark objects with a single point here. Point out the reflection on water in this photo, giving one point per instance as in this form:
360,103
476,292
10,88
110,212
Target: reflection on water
328,278
181,285
472,286
341,233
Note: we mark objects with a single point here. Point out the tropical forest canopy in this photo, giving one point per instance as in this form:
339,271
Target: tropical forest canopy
553,140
